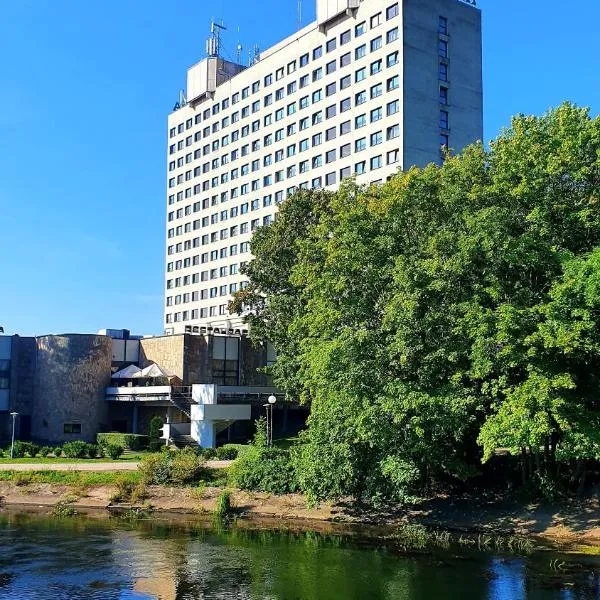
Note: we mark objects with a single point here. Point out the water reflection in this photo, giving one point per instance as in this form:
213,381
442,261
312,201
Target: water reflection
79,558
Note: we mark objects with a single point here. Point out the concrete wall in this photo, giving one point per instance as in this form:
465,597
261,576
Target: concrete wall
420,20
72,372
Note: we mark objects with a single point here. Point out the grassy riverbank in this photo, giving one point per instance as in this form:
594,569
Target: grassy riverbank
568,523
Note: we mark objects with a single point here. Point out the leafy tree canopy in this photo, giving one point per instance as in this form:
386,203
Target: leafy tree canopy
451,311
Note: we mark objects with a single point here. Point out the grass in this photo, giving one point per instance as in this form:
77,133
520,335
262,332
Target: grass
286,443
133,457
81,479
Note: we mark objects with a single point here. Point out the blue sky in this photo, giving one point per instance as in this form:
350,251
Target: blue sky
85,91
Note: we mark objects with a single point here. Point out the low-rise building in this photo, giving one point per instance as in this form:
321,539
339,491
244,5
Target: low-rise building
74,386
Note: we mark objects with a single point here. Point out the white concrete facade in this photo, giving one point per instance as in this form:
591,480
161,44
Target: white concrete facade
372,87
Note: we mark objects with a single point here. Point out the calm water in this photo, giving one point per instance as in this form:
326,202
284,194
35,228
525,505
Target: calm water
79,559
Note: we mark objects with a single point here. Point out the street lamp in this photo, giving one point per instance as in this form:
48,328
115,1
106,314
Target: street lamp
14,415
272,400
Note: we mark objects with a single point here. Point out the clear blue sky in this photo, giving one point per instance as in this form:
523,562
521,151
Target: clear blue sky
85,91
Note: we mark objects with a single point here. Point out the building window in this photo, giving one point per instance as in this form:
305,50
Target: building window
345,37
442,49
443,26
443,72
444,118
444,141
360,29
443,95
376,20
331,45
317,52
72,428
392,11
376,163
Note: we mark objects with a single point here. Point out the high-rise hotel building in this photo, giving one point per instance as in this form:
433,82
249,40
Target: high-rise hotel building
371,87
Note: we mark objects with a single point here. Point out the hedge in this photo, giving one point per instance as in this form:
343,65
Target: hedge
130,441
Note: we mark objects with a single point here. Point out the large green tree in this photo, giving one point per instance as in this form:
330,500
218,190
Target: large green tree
435,311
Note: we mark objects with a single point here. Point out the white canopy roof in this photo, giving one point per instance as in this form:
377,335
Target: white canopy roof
154,371
130,372
133,372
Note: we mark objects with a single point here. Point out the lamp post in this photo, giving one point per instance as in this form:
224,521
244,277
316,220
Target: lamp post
14,415
272,400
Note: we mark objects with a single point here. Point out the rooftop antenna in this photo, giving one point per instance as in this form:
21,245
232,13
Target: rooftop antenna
255,54
213,43
299,15
239,49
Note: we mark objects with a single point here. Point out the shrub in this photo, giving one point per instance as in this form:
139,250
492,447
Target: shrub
186,467
114,451
92,450
33,450
129,441
154,433
264,470
57,451
209,453
178,467
227,452
20,449
45,451
155,469
75,449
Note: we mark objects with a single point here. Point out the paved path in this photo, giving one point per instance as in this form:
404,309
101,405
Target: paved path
93,466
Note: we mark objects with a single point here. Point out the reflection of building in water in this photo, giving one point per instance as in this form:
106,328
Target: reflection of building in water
162,588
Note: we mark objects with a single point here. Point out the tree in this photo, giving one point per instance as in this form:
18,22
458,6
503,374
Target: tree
428,320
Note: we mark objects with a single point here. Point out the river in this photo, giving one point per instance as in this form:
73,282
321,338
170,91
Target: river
80,558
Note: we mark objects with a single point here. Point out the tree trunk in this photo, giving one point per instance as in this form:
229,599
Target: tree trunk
524,466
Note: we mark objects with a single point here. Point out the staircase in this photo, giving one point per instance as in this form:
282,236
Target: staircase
181,398
181,441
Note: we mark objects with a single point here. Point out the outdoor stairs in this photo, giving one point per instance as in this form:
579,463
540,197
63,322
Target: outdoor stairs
181,441
181,398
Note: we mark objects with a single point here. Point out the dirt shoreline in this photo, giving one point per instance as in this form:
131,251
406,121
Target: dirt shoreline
570,526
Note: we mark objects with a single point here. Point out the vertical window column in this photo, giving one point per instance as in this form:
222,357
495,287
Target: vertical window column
444,82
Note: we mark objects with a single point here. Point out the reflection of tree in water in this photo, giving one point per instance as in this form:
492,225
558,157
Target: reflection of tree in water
196,561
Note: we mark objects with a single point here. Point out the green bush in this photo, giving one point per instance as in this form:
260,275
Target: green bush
57,451
75,449
264,470
92,450
21,449
178,467
154,434
209,453
227,452
33,450
45,451
114,451
130,441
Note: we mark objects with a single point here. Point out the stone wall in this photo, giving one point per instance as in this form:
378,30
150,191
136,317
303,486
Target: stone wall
166,351
72,372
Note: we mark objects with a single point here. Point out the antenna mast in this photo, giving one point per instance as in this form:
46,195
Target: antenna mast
213,43
299,15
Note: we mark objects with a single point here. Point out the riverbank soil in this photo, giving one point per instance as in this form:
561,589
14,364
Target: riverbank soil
573,522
